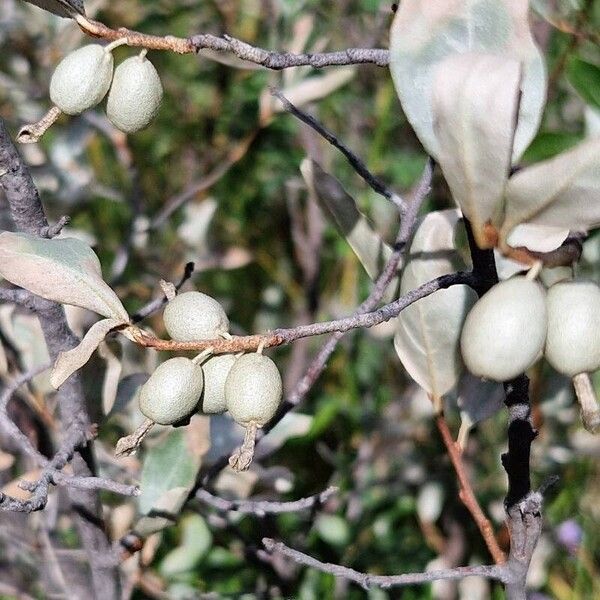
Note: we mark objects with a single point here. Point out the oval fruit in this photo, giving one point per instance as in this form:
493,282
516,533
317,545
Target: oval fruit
216,370
173,391
253,390
135,94
573,340
194,316
504,333
82,79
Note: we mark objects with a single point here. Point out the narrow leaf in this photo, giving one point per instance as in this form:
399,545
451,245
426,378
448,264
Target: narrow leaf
72,360
62,8
428,333
342,211
425,33
63,270
475,100
585,78
561,193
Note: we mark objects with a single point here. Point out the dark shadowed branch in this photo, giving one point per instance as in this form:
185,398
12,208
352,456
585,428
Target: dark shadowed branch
28,216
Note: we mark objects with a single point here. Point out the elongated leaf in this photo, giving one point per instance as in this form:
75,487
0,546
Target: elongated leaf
196,542
424,33
72,360
428,333
585,78
169,472
62,8
342,211
475,99
561,193
63,270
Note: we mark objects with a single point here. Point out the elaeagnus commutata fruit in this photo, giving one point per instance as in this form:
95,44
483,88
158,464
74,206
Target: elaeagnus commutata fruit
505,331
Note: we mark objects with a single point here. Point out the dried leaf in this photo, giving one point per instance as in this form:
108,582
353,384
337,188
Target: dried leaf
425,33
428,333
63,270
68,362
62,8
110,384
342,211
475,100
562,193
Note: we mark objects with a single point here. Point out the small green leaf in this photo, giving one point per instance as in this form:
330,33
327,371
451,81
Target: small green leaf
196,542
333,529
585,78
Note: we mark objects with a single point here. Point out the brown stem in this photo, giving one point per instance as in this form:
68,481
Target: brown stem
466,493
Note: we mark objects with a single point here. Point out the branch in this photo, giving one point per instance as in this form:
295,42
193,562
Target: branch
244,51
367,581
466,493
264,507
355,161
279,337
28,215
158,303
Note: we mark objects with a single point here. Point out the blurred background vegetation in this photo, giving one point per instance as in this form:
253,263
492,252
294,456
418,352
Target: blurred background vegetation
221,151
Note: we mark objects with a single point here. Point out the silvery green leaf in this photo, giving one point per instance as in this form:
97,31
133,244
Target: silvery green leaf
341,209
428,332
475,99
423,34
62,8
561,193
64,270
538,238
169,472
478,400
68,362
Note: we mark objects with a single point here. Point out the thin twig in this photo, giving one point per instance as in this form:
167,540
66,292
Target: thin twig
279,337
355,161
264,507
367,581
158,303
244,51
466,493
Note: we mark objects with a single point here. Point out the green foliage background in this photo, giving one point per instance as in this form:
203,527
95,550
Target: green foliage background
370,435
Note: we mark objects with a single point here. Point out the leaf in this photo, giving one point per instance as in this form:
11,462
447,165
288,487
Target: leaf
423,34
63,270
428,333
62,8
563,192
538,238
68,362
475,99
169,472
585,78
340,208
196,542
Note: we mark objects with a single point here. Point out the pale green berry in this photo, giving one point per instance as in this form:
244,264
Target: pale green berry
82,79
505,331
573,341
173,391
195,316
135,94
216,370
253,390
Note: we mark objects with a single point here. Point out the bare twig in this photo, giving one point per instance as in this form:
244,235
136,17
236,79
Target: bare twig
355,161
244,51
158,303
367,581
279,337
264,507
466,493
